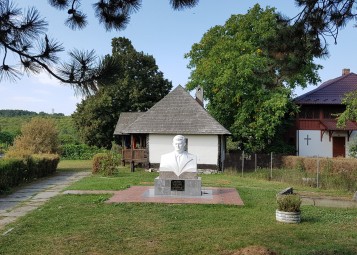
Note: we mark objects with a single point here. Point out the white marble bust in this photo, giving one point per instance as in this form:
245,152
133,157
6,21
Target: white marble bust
179,161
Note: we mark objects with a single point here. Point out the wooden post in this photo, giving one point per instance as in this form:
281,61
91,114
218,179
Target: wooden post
122,150
318,170
255,162
271,165
132,166
242,162
132,147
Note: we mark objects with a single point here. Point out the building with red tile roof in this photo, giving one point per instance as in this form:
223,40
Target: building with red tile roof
317,133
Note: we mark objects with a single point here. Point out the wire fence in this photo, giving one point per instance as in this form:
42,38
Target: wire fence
241,161
314,172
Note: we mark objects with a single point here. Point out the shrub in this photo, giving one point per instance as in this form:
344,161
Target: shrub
289,203
79,151
105,163
7,137
14,171
38,136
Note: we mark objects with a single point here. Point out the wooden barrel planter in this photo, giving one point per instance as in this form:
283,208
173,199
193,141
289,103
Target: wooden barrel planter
288,217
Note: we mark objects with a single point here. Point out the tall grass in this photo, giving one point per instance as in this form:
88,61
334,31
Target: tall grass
343,180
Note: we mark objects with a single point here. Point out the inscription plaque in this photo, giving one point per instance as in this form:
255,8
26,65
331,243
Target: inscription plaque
177,185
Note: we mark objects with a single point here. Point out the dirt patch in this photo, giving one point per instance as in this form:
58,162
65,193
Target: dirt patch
255,250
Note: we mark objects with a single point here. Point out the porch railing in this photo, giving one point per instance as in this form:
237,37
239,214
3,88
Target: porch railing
136,155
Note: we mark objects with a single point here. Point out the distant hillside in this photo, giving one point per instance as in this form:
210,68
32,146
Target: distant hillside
19,113
11,121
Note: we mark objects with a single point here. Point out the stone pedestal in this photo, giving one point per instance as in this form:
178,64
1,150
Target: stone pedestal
178,187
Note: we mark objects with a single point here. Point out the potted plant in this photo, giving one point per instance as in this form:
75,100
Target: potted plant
288,208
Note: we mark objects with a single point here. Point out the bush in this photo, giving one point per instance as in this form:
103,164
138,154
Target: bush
289,203
7,137
105,163
14,171
38,136
79,151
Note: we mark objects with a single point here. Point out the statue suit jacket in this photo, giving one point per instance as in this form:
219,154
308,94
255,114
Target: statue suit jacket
169,163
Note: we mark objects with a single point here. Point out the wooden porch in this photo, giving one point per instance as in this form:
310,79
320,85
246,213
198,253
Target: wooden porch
134,150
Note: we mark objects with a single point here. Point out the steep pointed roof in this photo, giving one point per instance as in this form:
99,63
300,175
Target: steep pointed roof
177,113
331,91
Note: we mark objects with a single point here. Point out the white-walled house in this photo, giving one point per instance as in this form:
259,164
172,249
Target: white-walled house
316,128
147,135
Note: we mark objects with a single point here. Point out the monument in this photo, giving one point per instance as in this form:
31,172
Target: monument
178,172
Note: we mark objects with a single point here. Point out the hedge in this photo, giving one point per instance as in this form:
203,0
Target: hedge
79,151
14,171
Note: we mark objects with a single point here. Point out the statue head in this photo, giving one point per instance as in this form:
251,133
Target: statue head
179,142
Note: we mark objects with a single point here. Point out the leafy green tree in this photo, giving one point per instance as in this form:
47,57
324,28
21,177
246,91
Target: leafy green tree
136,85
39,135
248,73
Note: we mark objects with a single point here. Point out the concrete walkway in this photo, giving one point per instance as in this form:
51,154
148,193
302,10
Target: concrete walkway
31,196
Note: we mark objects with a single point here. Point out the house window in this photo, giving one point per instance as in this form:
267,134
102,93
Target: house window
331,112
309,112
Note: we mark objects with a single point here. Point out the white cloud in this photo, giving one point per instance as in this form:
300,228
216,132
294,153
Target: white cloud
45,79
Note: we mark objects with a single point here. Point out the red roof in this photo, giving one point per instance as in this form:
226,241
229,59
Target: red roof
330,92
331,124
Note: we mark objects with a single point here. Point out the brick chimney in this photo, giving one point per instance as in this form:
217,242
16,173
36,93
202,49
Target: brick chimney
199,95
345,71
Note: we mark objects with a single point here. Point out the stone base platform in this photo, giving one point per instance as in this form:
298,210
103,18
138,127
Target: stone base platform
145,194
178,187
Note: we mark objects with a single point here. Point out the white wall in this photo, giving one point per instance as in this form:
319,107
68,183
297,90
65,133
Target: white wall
205,147
316,147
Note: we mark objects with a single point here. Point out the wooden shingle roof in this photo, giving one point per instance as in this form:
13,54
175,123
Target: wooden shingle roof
125,120
177,113
331,91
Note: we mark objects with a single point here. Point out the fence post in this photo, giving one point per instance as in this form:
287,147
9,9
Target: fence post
255,162
271,165
318,170
242,162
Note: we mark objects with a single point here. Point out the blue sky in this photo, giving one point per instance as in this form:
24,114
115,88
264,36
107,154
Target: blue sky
156,30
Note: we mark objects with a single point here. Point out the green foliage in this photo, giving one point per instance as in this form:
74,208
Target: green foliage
289,203
11,125
40,135
6,137
350,114
231,145
136,85
79,151
248,77
16,113
14,171
352,148
106,163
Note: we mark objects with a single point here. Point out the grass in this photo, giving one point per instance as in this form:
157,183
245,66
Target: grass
70,224
75,165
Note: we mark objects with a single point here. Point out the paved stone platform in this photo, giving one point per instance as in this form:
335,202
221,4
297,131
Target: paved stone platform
145,194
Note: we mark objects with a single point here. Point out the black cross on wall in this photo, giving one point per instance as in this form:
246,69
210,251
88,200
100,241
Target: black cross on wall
307,140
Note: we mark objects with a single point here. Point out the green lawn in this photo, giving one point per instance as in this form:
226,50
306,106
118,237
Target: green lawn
71,224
